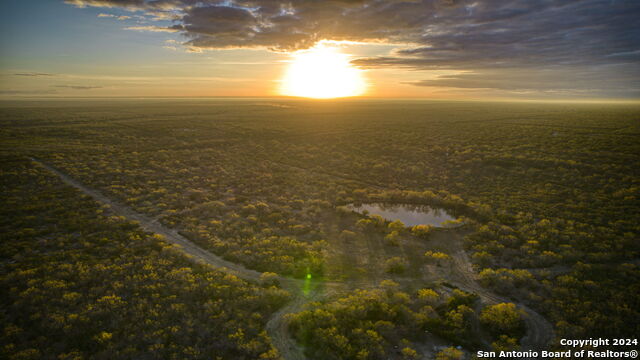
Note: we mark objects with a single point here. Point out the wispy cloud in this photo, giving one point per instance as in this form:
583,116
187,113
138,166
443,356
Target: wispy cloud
119,17
26,92
151,28
79,87
598,81
33,74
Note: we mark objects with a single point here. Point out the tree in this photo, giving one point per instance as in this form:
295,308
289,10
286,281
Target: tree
408,353
449,353
422,231
396,225
365,224
269,279
428,296
436,256
503,318
395,265
505,343
392,238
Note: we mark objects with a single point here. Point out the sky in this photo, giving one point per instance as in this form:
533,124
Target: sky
436,49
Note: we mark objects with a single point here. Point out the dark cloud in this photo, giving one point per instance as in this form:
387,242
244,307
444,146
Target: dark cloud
525,33
78,87
285,25
441,29
568,37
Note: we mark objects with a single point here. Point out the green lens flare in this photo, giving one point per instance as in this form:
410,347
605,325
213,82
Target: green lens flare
308,276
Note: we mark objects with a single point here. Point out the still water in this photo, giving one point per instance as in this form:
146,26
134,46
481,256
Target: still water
410,215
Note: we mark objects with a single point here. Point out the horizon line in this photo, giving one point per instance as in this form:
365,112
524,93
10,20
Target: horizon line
297,98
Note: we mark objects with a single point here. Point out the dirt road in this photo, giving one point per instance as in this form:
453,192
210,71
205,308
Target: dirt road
276,326
539,331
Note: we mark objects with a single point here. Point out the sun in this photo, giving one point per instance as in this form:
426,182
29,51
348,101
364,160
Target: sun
322,72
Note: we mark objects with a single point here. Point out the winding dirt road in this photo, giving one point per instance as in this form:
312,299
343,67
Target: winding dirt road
539,331
276,325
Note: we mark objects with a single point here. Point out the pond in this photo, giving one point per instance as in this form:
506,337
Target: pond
410,215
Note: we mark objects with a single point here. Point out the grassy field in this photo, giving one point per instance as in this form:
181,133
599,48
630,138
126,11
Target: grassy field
548,194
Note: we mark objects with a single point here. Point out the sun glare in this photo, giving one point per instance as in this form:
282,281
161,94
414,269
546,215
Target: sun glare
322,72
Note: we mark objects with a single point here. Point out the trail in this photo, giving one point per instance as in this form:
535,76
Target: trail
276,325
194,251
539,331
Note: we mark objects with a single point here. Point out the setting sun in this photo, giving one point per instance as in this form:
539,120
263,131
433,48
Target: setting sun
322,72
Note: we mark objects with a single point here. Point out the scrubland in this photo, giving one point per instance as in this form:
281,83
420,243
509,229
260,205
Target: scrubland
547,193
